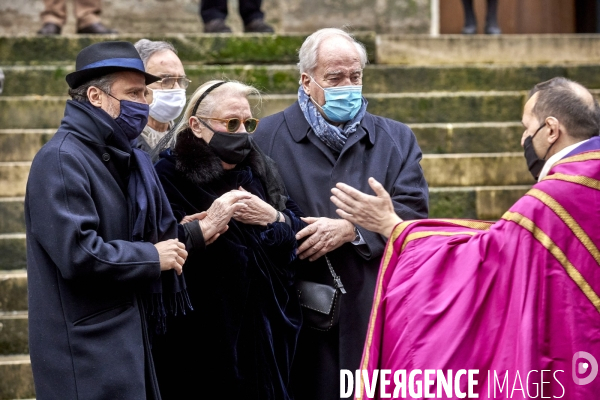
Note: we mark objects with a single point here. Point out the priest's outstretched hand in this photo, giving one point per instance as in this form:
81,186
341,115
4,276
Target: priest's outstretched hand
374,213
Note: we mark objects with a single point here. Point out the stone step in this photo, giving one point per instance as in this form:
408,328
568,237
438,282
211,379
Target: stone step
479,137
45,112
478,202
200,48
483,202
13,253
547,49
283,79
399,49
12,218
478,169
13,291
483,169
16,378
14,330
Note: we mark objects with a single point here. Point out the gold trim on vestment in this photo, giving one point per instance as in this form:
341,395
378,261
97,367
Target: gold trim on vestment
545,240
568,220
389,250
424,234
591,155
396,232
580,179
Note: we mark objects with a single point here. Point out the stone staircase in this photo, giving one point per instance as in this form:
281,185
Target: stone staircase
463,102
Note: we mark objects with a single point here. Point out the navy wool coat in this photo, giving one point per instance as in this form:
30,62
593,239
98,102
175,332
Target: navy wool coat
86,332
381,148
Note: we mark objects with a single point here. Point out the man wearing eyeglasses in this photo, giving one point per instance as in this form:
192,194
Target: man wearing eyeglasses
166,97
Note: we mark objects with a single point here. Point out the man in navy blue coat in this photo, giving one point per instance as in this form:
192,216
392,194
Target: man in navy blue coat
99,232
326,137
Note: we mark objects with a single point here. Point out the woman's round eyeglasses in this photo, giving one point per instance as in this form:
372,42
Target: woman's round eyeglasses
233,124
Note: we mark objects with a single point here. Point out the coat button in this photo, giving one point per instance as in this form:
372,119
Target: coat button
106,156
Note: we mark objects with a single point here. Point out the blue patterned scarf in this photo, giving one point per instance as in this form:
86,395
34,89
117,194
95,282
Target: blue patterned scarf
334,137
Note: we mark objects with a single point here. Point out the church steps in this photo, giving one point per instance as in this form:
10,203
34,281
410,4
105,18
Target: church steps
13,221
440,138
13,291
440,170
16,380
14,330
207,49
545,49
45,112
283,79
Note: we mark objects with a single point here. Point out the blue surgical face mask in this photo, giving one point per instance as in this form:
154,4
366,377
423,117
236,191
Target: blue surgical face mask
342,103
132,118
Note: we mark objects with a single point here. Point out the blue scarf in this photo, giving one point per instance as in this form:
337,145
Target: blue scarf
334,137
153,221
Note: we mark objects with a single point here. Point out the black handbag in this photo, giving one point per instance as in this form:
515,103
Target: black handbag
321,302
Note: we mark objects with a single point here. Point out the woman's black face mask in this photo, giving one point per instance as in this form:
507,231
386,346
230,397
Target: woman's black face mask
231,148
534,163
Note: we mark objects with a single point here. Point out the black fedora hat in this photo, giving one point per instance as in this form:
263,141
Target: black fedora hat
104,58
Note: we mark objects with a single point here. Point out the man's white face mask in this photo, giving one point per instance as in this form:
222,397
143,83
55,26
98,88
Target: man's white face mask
167,104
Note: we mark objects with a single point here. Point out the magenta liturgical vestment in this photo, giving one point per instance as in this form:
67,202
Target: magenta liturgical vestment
516,300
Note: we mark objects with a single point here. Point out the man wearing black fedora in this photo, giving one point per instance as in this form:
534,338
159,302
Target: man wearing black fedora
104,261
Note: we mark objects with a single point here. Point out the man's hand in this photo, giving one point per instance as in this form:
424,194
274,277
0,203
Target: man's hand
322,236
257,212
172,255
220,212
374,213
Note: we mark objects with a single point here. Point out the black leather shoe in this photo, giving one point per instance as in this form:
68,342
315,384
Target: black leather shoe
49,29
492,30
97,28
258,26
469,30
216,26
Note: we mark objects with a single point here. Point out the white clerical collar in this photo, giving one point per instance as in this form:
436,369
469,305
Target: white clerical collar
557,157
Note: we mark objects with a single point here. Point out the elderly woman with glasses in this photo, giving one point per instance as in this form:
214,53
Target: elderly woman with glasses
241,336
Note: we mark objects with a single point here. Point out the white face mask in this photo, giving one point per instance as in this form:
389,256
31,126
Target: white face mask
167,104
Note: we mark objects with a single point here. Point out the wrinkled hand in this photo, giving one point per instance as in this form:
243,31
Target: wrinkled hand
172,255
374,213
197,217
322,236
220,212
193,217
257,212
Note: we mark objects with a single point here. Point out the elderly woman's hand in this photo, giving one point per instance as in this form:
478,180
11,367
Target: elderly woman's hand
256,212
220,212
374,213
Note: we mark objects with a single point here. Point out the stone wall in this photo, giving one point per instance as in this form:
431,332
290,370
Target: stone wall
181,16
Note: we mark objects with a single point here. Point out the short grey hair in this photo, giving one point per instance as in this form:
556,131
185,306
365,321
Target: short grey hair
146,48
103,83
309,52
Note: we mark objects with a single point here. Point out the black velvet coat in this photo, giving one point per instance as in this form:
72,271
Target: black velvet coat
381,148
240,339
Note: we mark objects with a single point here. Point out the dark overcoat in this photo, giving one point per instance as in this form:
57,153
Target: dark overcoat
381,148
86,333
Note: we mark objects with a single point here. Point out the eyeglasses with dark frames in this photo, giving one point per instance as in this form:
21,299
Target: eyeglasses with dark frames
233,124
168,82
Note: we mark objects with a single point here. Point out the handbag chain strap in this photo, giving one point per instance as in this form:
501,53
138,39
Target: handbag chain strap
336,278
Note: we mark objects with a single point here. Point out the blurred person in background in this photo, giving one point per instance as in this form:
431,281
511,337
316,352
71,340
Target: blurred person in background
87,13
214,13
167,96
